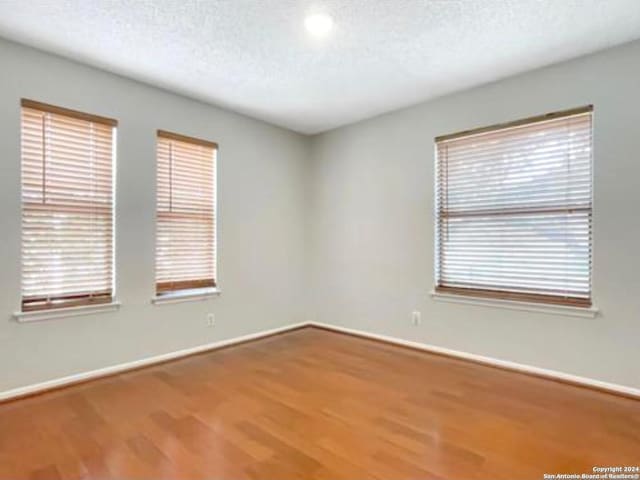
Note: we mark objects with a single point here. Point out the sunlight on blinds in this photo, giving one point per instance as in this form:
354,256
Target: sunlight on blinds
186,247
514,211
67,208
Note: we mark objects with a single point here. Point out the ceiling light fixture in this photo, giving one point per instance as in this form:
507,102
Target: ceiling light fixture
319,24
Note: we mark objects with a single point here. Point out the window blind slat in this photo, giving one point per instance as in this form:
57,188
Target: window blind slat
514,211
185,242
67,208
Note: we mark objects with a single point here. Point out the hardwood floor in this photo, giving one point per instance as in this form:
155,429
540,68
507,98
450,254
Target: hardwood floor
312,404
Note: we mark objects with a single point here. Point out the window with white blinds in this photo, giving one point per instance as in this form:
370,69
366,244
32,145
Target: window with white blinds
67,207
186,209
514,210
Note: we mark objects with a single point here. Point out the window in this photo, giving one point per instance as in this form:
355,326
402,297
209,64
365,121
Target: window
185,241
514,210
67,207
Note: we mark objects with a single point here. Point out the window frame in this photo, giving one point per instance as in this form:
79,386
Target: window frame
193,290
69,304
504,298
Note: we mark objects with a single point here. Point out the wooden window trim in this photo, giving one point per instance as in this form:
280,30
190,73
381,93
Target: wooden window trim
516,296
186,139
516,123
44,107
43,303
164,288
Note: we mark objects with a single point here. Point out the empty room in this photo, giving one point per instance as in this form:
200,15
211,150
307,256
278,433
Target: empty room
320,239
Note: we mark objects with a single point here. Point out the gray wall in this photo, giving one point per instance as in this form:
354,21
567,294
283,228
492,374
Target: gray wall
373,223
262,184
337,228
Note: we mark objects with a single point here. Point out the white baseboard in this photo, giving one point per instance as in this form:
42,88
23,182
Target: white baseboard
518,367
123,367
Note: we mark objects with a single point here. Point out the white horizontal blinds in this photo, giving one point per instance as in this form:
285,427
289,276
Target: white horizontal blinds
67,208
186,249
514,210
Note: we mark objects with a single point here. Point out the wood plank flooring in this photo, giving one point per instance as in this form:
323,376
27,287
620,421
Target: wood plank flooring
312,404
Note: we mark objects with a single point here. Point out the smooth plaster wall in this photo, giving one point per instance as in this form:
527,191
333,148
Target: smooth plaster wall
372,233
262,184
336,228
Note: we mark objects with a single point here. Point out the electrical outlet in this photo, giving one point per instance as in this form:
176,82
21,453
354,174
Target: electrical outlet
211,320
416,318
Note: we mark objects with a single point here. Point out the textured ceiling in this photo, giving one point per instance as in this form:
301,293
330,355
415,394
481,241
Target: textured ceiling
255,57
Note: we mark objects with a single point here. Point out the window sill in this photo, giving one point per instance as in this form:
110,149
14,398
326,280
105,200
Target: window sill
570,311
39,315
194,295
